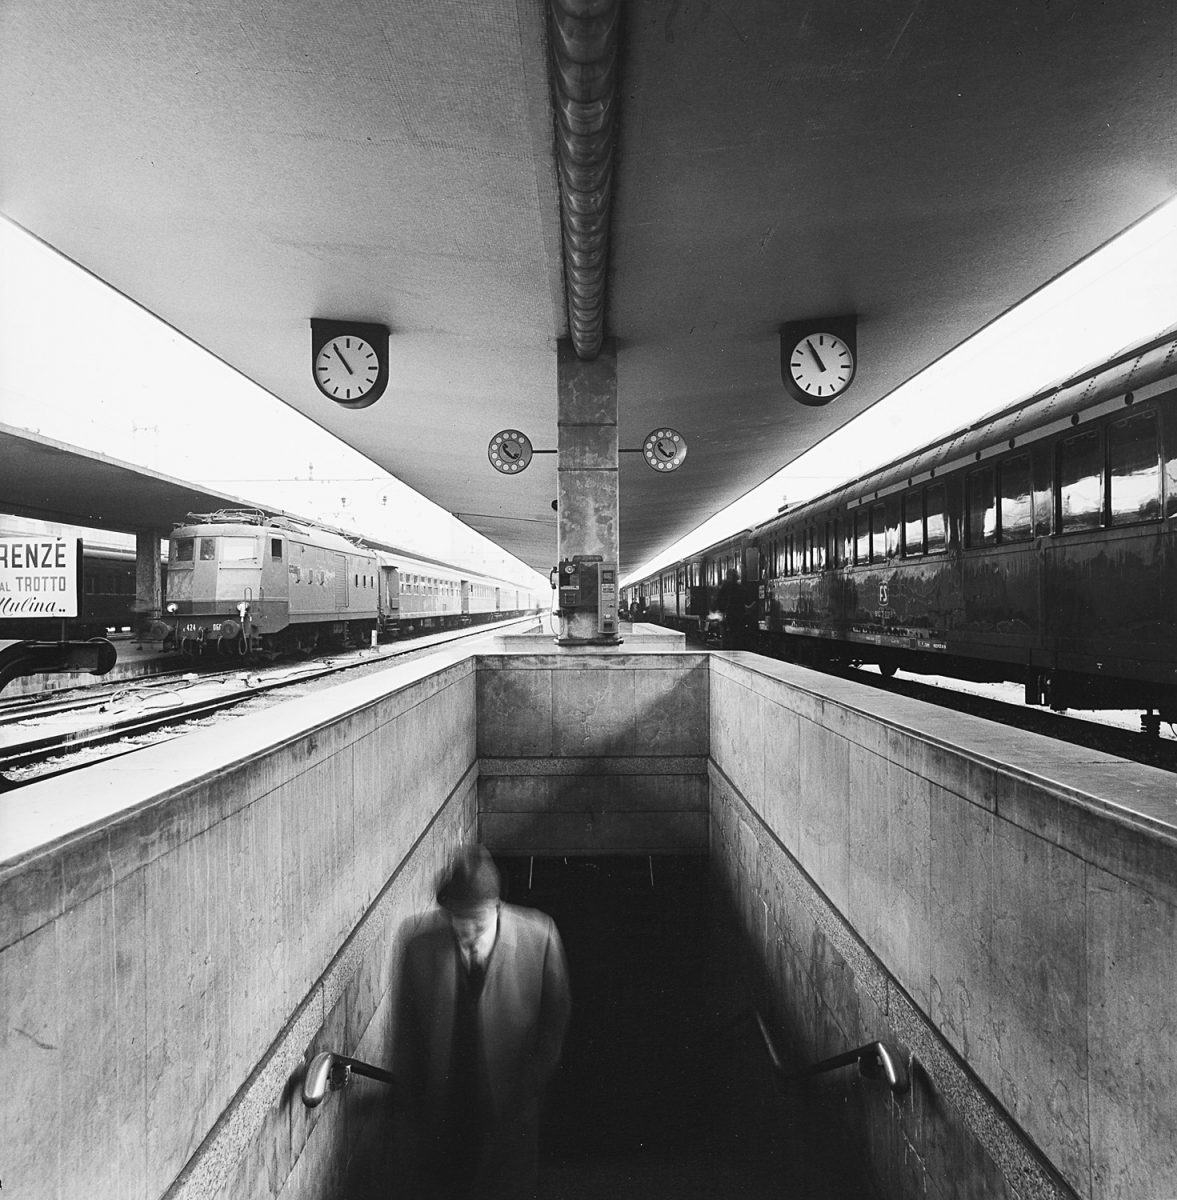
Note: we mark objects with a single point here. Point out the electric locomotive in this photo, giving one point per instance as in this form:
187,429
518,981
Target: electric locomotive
1038,545
240,581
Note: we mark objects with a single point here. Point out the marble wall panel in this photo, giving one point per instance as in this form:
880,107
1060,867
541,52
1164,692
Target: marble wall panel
593,713
1038,999
961,922
187,1084
592,793
1132,1040
725,706
905,948
515,709
600,833
671,710
33,1034
868,883
781,752
374,781
824,809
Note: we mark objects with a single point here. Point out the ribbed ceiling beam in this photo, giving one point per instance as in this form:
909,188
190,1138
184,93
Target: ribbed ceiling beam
584,74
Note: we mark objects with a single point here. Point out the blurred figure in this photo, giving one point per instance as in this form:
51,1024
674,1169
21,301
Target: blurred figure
482,1010
731,603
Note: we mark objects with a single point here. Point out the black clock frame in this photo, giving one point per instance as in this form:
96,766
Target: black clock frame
324,329
792,332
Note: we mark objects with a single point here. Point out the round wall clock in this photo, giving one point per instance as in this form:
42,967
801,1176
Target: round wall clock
821,365
349,360
819,357
346,368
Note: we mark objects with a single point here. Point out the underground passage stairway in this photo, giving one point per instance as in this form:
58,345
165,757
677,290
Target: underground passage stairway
665,1089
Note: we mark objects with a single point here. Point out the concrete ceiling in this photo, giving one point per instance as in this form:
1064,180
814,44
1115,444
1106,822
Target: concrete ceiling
239,168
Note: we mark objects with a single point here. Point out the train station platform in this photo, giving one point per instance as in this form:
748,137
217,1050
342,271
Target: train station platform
184,928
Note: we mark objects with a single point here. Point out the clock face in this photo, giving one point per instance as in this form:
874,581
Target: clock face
346,367
821,365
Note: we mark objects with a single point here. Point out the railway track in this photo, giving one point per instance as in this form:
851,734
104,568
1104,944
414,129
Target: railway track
45,739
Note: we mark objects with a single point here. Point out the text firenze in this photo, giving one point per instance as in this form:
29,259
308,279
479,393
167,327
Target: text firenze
45,556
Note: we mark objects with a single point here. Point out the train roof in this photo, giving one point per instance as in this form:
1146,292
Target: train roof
239,523
241,520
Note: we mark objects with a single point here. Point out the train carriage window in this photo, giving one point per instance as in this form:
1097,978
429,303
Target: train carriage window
276,549
832,545
862,536
913,524
878,533
1080,482
1017,499
1134,463
936,525
183,549
208,549
981,509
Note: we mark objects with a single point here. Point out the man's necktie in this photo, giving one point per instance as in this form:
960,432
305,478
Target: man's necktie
477,973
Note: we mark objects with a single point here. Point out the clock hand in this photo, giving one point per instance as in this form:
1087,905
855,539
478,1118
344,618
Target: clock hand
335,347
820,365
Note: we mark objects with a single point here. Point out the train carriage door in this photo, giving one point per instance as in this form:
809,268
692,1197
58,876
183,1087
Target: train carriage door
390,593
275,580
752,589
342,591
465,597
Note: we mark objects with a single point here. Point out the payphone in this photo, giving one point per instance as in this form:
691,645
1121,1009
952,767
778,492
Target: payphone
587,596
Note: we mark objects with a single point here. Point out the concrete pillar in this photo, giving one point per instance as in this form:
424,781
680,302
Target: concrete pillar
586,488
148,590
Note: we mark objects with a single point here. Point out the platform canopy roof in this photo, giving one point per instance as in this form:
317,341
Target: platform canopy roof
239,168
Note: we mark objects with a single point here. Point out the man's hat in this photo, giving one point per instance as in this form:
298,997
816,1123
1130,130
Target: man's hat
472,881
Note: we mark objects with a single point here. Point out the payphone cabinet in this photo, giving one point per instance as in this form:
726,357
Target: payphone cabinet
588,596
607,598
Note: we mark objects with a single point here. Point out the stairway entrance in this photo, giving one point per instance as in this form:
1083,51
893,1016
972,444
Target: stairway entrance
664,1091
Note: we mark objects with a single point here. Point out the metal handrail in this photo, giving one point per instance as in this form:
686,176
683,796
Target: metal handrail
333,1072
876,1060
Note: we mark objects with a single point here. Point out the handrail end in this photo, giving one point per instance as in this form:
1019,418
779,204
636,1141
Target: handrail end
881,1060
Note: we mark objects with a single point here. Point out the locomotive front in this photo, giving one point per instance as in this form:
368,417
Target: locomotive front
227,586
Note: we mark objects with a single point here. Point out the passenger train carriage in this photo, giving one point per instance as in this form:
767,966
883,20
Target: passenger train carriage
1038,545
240,581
